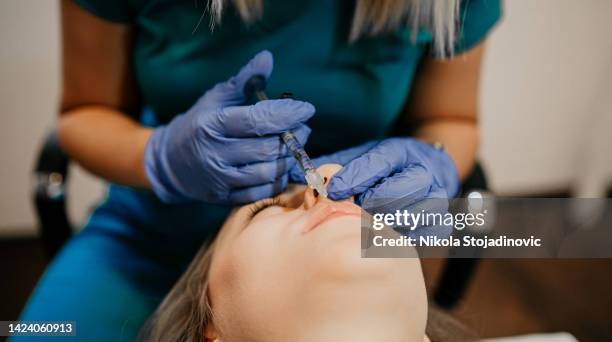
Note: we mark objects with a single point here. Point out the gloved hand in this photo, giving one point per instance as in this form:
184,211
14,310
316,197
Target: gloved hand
392,174
222,152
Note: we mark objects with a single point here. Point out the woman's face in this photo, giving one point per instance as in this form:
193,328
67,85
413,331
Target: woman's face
289,269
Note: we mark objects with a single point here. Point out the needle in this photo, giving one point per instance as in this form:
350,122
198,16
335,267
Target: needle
255,88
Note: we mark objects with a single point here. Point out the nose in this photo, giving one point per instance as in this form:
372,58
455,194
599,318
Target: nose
311,197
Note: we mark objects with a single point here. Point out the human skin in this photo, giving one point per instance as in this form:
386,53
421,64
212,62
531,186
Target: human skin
294,273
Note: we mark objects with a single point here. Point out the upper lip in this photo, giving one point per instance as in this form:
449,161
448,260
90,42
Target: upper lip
326,210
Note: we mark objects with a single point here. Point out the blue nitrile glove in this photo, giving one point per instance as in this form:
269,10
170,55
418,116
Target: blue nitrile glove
392,174
222,152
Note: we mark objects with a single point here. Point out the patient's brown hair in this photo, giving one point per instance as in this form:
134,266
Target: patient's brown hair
185,312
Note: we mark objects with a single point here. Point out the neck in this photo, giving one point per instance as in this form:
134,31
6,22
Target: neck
363,329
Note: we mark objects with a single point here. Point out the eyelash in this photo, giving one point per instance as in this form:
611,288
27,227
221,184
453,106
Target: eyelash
261,205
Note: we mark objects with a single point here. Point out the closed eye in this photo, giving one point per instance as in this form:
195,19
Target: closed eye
263,204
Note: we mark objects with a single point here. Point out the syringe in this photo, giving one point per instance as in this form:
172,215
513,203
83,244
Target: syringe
255,88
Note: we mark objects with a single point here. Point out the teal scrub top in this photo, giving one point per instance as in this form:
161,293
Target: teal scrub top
358,89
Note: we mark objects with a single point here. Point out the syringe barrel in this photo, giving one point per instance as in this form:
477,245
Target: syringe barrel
254,89
298,150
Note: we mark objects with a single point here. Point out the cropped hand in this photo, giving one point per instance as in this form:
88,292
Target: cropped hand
392,174
223,152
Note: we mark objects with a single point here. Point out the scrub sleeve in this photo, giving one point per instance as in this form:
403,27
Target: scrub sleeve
112,274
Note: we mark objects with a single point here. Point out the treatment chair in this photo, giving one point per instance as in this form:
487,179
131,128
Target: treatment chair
50,196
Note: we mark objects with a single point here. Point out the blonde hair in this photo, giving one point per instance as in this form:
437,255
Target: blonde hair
185,312
375,17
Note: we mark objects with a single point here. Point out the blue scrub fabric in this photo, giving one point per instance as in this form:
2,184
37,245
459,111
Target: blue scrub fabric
112,275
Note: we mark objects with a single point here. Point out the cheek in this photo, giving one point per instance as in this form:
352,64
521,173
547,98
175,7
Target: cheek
264,256
234,293
251,279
